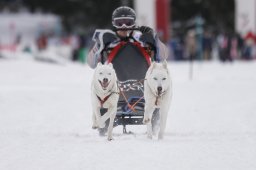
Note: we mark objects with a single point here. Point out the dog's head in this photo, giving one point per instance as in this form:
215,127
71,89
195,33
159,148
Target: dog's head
158,78
104,76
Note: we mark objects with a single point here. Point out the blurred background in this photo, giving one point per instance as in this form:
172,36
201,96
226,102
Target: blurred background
198,29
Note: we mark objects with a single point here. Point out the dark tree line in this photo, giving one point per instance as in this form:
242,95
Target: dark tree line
76,14
79,14
217,14
89,14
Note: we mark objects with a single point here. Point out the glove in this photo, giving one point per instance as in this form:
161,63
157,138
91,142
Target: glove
148,38
145,29
147,35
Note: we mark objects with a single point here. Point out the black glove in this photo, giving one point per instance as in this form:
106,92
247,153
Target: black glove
145,29
148,38
147,35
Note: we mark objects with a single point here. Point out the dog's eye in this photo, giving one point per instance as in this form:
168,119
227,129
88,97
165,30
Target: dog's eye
164,78
155,78
101,73
109,74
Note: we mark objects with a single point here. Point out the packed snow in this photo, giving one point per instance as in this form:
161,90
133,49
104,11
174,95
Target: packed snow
45,120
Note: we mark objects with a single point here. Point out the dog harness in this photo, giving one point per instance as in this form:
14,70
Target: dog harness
104,100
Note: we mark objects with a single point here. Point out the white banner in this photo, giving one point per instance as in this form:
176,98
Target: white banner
146,12
245,16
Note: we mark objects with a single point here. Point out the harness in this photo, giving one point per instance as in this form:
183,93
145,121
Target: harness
104,100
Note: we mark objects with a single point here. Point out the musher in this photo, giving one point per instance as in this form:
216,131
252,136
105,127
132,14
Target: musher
125,30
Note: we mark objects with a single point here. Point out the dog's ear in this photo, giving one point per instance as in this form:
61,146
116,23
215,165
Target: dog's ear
99,64
153,64
165,64
110,65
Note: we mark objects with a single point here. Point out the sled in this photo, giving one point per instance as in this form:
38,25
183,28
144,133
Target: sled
131,62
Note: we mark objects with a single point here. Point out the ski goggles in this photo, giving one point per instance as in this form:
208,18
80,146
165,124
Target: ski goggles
124,22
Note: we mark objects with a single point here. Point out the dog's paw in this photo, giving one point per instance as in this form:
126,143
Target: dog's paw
160,136
146,120
110,138
102,125
95,125
150,136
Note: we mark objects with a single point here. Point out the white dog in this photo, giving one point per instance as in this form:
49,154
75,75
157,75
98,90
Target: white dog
105,95
157,94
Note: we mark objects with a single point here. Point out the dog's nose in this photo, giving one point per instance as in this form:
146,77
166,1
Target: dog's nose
159,88
105,80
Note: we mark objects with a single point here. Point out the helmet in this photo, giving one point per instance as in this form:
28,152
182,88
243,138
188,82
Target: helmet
123,17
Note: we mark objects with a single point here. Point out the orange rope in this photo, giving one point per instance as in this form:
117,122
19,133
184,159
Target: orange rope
137,102
130,107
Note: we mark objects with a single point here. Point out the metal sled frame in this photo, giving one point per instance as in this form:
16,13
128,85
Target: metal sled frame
134,114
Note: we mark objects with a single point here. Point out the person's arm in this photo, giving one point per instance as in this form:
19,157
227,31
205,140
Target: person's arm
102,38
94,56
150,37
162,50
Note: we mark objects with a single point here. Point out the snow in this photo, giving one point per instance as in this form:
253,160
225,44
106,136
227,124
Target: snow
45,120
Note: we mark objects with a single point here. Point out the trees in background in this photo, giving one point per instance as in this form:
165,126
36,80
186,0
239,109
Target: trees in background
217,14
89,14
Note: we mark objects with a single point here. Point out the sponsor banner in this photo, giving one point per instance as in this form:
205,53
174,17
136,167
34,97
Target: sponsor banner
245,16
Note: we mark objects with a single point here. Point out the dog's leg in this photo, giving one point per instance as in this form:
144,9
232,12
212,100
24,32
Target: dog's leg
148,114
147,120
94,121
104,118
95,118
156,122
111,122
98,117
149,130
163,119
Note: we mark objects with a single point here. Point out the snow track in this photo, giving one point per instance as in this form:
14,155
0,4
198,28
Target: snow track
45,121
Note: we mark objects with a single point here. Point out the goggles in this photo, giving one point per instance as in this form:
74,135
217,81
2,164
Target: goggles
124,22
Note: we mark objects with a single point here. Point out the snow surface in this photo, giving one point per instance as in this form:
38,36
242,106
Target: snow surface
45,121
